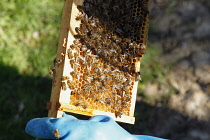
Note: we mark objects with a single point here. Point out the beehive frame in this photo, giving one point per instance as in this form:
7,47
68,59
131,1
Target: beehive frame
94,78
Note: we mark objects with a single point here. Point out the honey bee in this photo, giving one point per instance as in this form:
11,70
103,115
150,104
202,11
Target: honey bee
108,101
72,93
137,20
74,75
121,113
118,40
72,46
70,84
78,36
77,29
72,64
97,99
57,61
63,78
115,7
63,86
92,1
79,17
127,97
83,48
124,102
80,8
94,96
56,133
85,88
118,113
51,71
76,54
77,104
116,107
125,88
84,19
79,92
80,61
84,106
137,76
70,55
127,106
146,11
76,42
119,32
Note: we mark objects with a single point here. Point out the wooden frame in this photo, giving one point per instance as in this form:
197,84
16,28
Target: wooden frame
67,32
60,99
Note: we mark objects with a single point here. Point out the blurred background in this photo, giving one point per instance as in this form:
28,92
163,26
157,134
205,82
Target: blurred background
173,99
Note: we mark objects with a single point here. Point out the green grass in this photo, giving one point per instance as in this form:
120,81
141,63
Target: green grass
29,31
152,71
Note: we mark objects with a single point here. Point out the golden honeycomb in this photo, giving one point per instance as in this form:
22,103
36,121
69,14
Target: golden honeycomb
106,50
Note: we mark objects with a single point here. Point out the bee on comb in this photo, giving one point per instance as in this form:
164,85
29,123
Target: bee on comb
102,63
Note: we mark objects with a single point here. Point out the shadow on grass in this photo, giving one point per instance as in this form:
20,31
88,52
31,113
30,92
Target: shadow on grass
24,97
166,123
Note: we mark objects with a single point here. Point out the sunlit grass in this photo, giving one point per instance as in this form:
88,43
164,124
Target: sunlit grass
153,71
150,65
29,31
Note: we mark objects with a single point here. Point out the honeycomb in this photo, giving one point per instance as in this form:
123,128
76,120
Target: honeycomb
108,45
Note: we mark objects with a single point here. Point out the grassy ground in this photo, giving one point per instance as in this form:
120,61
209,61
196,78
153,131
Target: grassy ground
29,32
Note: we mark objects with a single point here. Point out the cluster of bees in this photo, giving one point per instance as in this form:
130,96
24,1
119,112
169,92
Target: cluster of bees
110,41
